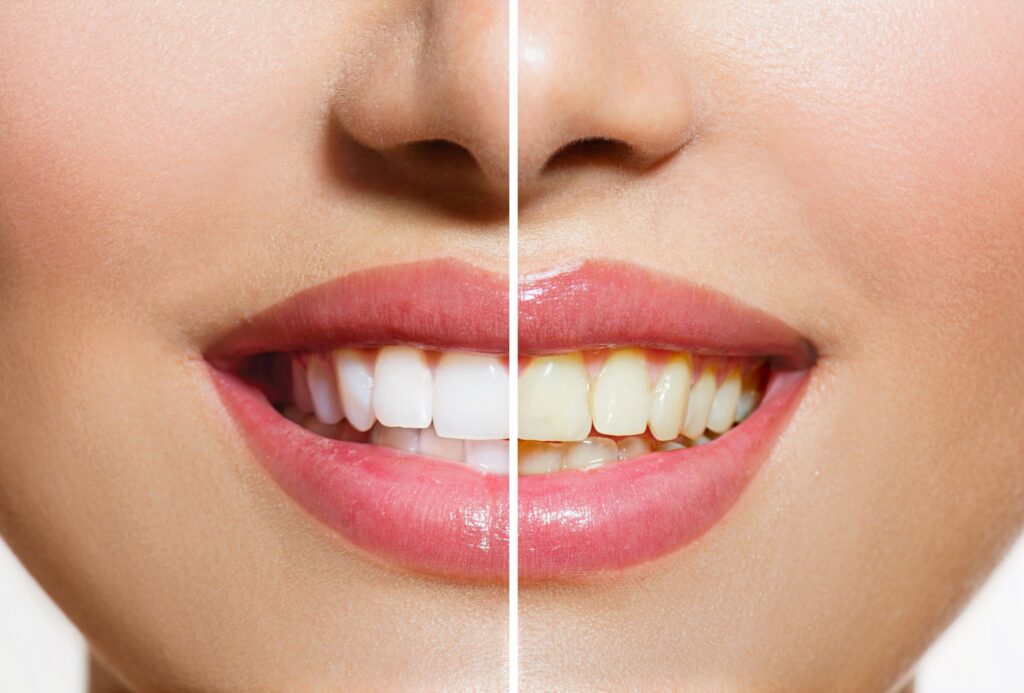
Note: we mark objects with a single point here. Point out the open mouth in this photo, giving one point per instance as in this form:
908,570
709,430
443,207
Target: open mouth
379,403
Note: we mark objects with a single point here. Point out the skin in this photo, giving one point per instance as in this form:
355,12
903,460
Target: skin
855,169
164,173
852,169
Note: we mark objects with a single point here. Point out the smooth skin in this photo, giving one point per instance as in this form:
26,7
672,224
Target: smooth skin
857,170
167,169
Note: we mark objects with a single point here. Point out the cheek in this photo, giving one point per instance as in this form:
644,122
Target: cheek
118,126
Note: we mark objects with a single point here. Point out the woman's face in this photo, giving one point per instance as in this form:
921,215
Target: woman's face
855,170
852,171
166,171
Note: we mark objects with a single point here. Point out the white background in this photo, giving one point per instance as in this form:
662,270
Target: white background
983,652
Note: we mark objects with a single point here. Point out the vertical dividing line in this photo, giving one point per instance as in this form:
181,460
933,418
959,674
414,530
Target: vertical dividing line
513,345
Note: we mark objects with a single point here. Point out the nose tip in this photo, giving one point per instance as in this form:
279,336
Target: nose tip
435,92
580,103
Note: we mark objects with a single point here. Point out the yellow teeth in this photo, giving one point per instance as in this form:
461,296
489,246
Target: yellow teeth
554,399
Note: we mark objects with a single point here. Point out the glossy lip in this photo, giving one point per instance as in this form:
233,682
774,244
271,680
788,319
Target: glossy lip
626,513
432,516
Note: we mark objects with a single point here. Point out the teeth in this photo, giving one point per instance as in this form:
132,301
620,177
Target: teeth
619,402
315,425
434,445
669,398
488,455
300,388
699,405
539,458
407,439
471,397
324,392
553,399
750,394
354,372
723,407
590,453
403,388
634,447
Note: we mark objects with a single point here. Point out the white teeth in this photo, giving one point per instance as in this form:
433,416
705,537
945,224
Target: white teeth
669,398
300,388
699,406
634,447
539,458
354,372
592,452
619,401
723,407
434,445
488,455
553,399
324,392
403,388
407,439
471,397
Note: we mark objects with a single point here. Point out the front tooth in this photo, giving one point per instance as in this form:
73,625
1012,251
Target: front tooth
403,388
471,397
633,447
669,398
723,407
553,400
435,446
300,388
354,372
326,403
407,439
590,453
620,399
539,458
699,406
490,456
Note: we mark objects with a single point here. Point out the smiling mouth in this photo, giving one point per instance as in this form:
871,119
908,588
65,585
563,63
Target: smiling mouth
379,403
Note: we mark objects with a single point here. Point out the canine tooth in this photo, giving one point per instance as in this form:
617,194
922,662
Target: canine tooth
488,455
699,405
590,453
669,398
300,388
723,407
436,446
471,397
633,447
539,458
407,439
324,392
620,395
553,400
750,394
354,372
314,425
403,393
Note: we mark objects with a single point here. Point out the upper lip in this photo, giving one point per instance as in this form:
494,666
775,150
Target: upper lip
614,517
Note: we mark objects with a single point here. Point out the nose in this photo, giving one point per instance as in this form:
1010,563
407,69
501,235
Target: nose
592,86
431,95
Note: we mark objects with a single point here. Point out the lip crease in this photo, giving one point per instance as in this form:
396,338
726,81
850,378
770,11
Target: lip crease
431,516
574,523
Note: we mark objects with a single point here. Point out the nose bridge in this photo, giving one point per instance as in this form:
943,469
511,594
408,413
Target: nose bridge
591,77
440,74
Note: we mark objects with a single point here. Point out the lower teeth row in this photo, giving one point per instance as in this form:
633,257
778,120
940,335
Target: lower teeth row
593,452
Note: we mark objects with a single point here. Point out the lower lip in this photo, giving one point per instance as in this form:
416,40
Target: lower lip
429,516
627,513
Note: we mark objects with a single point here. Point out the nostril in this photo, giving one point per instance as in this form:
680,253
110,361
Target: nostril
600,151
437,153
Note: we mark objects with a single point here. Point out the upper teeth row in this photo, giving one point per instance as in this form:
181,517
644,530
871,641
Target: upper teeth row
559,400
463,395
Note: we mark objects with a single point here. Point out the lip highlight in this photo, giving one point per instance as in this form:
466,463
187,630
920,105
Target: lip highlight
573,523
